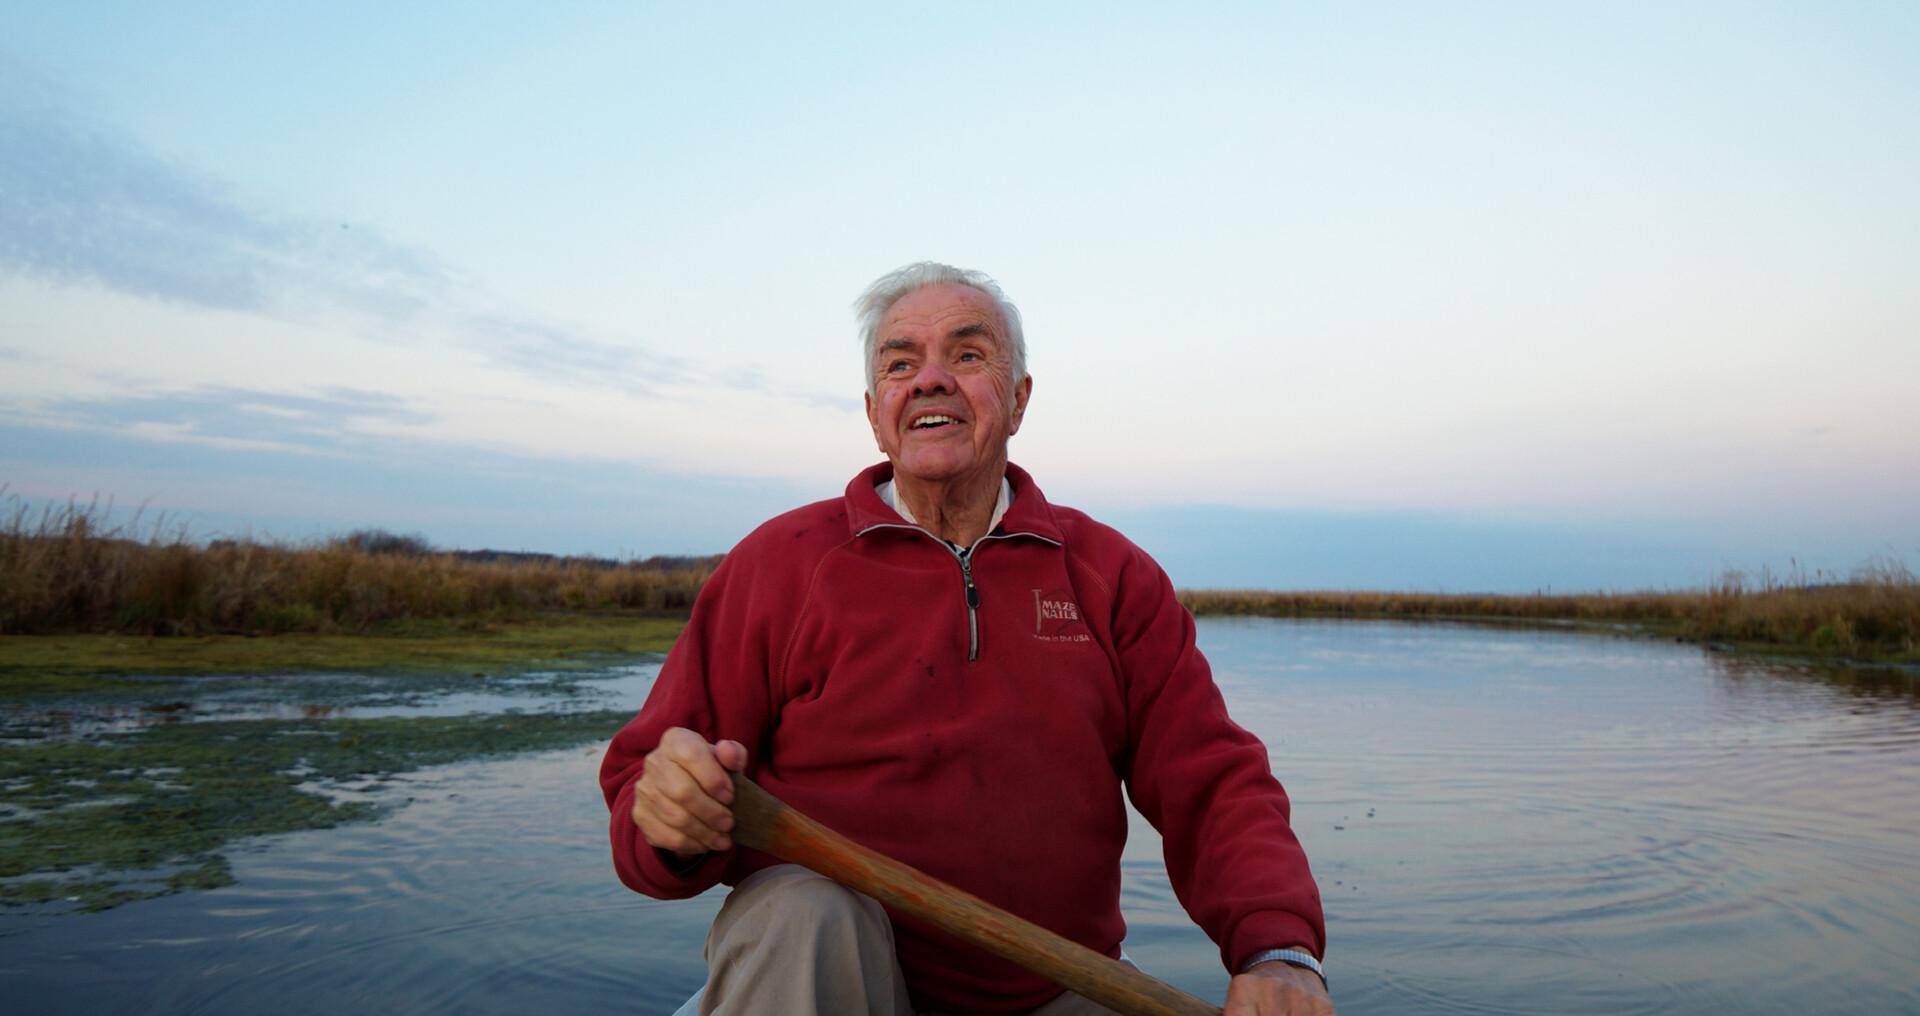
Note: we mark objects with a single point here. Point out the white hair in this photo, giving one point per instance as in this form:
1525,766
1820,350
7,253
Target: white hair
890,288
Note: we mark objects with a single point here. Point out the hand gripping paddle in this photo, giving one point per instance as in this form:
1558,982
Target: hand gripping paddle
762,822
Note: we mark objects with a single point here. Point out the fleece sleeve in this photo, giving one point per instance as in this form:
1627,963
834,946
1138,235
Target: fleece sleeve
716,683
1205,782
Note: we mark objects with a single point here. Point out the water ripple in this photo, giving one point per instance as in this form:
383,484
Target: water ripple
1501,822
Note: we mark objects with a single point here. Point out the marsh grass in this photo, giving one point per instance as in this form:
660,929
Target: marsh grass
71,569
85,664
1872,615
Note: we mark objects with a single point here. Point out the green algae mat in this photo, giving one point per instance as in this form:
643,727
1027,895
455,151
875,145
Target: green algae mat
37,665
107,796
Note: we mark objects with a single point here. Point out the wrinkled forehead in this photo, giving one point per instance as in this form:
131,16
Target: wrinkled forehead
946,310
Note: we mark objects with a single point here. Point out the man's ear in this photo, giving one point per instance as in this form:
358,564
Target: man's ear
1021,392
873,419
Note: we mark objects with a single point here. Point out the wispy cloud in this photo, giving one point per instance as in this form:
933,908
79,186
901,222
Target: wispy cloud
331,422
753,379
83,203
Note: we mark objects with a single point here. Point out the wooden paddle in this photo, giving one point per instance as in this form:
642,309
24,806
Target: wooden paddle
762,822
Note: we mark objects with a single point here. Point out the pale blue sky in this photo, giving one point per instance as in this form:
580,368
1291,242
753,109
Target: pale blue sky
1448,296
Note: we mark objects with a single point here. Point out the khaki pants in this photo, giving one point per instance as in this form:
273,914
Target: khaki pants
788,942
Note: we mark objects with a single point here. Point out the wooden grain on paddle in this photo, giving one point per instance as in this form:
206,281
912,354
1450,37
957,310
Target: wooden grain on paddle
762,822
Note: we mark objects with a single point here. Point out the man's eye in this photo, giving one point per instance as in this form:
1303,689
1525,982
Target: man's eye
896,366
969,357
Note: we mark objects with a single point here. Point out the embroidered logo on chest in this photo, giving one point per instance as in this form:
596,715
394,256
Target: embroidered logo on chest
1056,618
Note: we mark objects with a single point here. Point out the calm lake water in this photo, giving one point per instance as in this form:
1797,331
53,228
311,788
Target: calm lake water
1502,821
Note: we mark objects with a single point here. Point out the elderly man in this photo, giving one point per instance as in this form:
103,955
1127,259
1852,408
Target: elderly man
949,669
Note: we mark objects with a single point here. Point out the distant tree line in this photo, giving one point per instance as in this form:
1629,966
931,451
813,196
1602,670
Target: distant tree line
380,541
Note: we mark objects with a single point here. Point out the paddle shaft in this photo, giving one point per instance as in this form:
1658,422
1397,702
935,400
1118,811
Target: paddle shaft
763,822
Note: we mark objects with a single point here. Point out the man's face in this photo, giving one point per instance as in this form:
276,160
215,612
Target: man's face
945,402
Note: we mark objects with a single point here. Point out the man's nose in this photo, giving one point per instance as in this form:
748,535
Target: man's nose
933,378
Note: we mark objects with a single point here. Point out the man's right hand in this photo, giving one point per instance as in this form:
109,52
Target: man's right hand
683,799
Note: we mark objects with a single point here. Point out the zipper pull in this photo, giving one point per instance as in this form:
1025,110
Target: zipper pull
973,605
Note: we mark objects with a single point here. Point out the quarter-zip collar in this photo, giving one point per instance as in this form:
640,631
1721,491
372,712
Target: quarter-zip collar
1028,515
890,494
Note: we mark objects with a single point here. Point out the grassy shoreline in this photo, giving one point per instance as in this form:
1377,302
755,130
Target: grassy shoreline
69,572
72,570
87,662
1874,618
1853,624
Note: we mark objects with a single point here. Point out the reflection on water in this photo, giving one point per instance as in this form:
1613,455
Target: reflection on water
1527,822
1502,821
322,696
487,890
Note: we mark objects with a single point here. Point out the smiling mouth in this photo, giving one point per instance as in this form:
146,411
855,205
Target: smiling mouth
930,422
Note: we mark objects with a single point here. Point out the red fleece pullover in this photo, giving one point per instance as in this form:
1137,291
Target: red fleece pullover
983,739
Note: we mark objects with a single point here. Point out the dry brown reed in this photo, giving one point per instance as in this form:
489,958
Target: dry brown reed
1872,615
71,570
